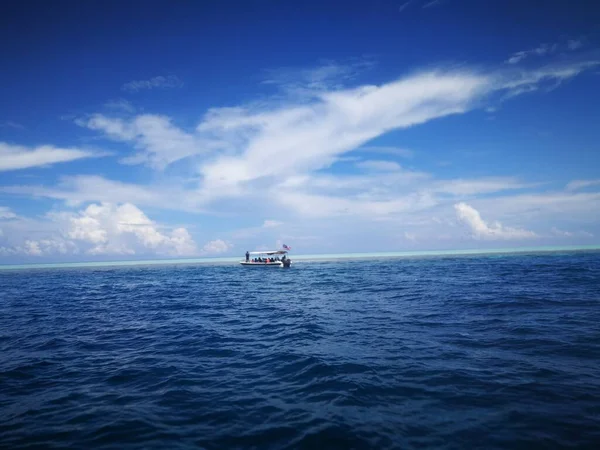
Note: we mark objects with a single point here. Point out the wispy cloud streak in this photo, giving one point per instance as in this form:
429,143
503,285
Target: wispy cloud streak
15,157
546,49
432,4
162,82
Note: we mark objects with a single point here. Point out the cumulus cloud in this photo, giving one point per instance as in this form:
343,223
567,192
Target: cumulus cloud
162,82
215,247
124,229
483,230
41,247
32,248
15,157
99,229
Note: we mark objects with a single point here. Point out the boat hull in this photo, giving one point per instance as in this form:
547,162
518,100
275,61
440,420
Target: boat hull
262,264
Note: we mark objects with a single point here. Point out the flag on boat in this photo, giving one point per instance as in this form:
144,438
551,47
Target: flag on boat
286,247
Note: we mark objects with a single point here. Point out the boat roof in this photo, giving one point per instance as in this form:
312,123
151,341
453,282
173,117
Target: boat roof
270,252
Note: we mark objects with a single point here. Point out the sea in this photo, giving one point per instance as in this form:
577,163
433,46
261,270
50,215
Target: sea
445,351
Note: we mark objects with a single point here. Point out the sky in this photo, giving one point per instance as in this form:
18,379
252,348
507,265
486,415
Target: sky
154,129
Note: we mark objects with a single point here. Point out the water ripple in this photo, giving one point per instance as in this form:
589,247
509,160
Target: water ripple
452,352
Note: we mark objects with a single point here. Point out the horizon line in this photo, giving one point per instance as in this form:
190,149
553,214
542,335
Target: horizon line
307,257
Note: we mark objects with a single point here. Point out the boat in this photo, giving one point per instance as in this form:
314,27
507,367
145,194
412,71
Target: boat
268,258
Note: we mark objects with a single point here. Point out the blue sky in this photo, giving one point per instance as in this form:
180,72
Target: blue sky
143,129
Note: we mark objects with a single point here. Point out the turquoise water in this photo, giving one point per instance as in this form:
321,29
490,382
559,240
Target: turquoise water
325,256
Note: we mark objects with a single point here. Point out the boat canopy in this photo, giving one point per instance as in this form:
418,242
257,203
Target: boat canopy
270,252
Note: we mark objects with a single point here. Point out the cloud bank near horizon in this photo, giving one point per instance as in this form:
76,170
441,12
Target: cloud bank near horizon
280,154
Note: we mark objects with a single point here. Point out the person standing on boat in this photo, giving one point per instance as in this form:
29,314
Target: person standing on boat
247,256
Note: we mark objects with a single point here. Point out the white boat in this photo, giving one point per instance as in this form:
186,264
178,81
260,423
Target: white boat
269,258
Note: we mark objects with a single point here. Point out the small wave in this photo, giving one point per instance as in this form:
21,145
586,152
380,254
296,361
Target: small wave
440,352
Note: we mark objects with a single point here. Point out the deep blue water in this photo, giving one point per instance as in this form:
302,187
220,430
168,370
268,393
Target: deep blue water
455,352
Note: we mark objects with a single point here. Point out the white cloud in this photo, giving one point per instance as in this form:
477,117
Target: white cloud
170,81
306,84
543,49
15,157
582,184
548,77
297,139
32,248
42,247
6,213
216,247
483,230
275,155
379,166
159,142
388,194
546,49
309,137
123,229
245,151
99,229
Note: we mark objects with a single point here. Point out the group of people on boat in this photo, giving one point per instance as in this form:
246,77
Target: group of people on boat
264,260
